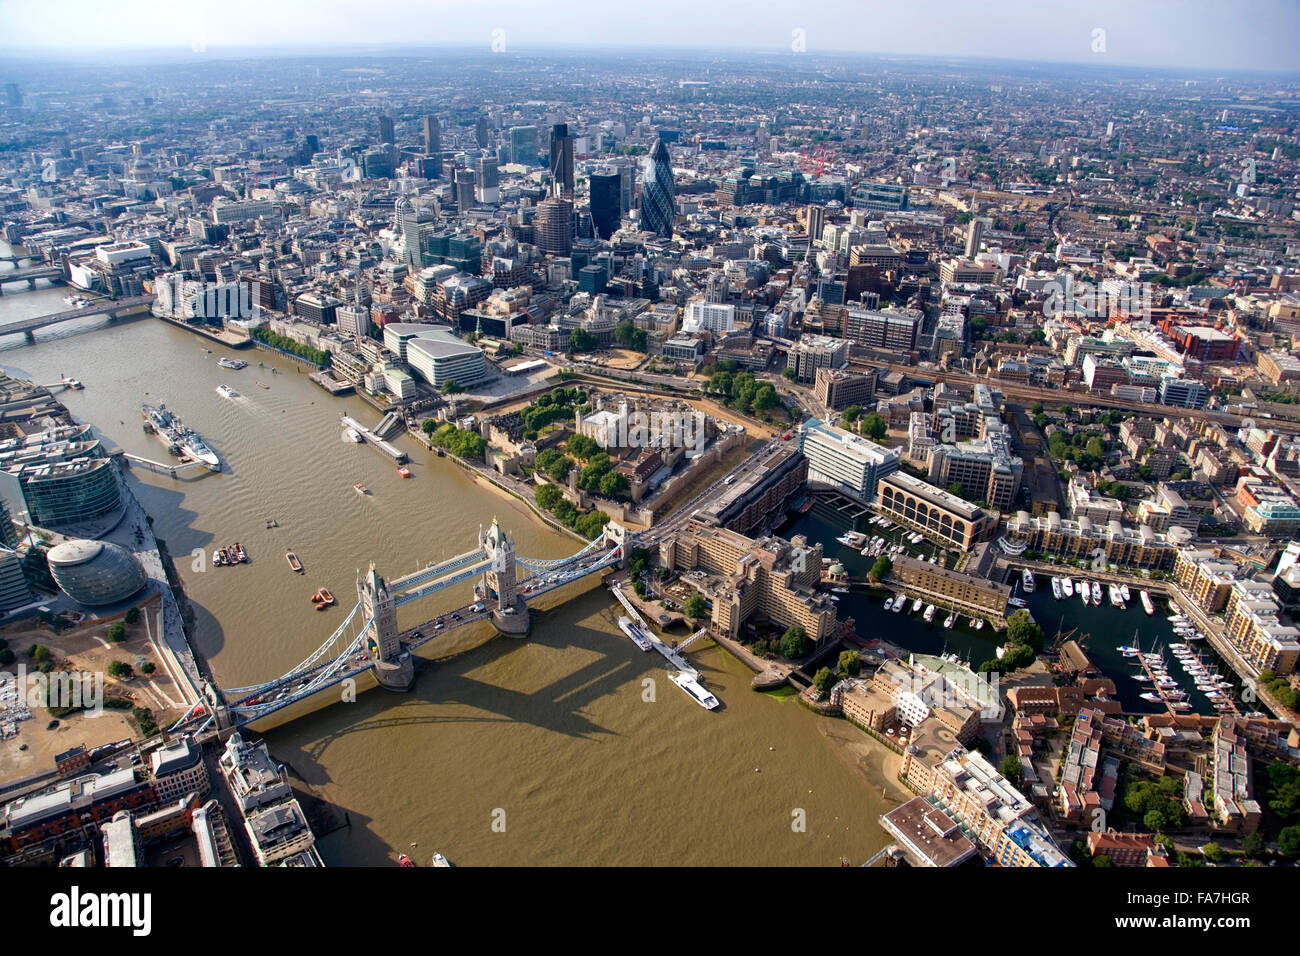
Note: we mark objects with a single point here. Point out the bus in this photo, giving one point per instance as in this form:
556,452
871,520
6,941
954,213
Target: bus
730,479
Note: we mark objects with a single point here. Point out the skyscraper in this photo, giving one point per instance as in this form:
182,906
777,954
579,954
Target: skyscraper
464,189
561,161
974,236
433,145
386,134
409,222
523,145
553,227
489,179
481,132
605,211
658,207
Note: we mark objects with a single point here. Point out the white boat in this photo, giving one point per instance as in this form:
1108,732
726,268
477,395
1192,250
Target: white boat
1116,600
950,620
1125,593
1017,602
917,605
1067,587
634,631
352,435
1084,593
1128,651
1096,594
235,364
1181,705
1027,581
1146,603
889,604
978,623
929,612
1151,696
440,860
692,686
227,392
899,602
1056,588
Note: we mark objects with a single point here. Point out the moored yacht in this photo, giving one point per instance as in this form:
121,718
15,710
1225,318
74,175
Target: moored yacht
1067,587
1146,603
1056,588
1027,581
929,612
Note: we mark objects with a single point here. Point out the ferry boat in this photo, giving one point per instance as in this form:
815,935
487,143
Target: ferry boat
235,364
225,391
360,489
1067,587
693,687
1056,588
1027,581
1096,594
1146,603
632,630
293,561
949,621
440,860
929,612
917,605
404,471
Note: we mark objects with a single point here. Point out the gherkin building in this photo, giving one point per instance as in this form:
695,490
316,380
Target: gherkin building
658,207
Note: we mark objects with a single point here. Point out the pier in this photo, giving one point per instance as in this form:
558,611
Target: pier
670,654
392,451
160,467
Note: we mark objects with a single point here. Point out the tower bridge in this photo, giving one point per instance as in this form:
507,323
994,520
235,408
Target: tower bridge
368,643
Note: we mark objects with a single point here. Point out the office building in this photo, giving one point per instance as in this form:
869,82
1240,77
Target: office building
837,389
523,145
813,352
553,227
709,317
605,208
933,511
488,176
464,180
439,358
432,147
658,193
895,330
561,162
844,460
974,236
386,133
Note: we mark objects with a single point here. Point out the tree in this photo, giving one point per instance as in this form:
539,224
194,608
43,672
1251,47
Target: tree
823,680
450,387
119,669
1253,846
117,632
1011,768
39,653
428,426
132,615
849,664
1102,860
875,427
1021,629
1288,840
881,568
851,413
147,668
583,446
794,642
1212,852
548,496
580,340
1154,820
612,484
695,607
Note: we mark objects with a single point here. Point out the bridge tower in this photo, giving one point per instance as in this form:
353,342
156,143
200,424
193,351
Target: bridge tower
510,615
391,663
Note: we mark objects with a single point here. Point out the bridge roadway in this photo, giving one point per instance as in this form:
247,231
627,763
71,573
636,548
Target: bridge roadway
355,660
99,308
29,273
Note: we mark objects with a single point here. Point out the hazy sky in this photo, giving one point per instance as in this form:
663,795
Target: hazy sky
1194,34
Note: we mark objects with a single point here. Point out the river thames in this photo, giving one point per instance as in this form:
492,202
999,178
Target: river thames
555,731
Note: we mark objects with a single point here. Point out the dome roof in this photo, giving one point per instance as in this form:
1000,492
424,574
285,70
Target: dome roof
95,573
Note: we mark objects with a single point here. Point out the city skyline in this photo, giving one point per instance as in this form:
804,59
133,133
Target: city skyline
1164,35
